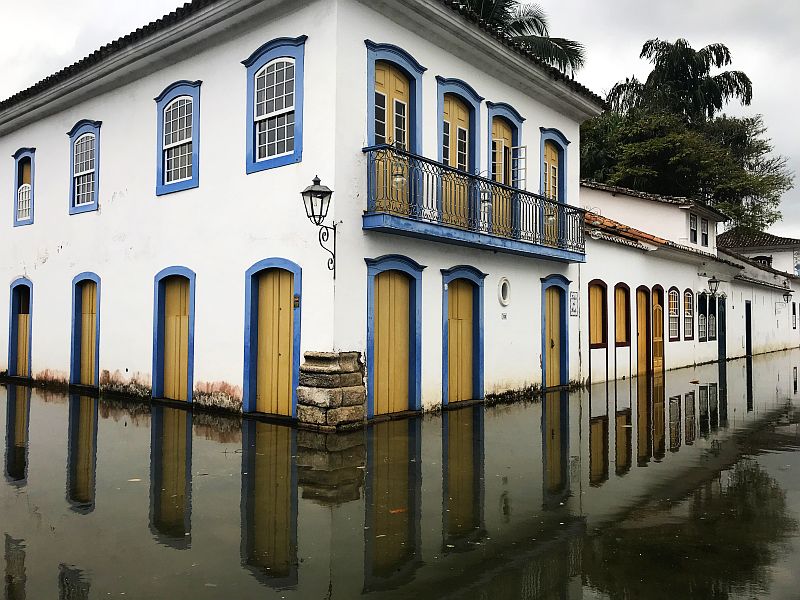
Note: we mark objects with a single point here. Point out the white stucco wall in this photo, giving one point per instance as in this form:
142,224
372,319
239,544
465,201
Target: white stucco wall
782,260
667,221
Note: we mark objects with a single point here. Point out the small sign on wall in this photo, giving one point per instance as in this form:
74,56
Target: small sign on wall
573,304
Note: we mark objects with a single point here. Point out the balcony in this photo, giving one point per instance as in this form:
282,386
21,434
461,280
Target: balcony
414,196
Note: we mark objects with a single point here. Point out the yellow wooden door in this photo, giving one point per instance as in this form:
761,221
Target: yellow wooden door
455,154
460,349
176,338
551,190
554,479
391,531
391,343
392,118
172,493
275,354
502,144
597,320
272,498
658,332
88,332
23,332
552,339
642,365
82,490
462,509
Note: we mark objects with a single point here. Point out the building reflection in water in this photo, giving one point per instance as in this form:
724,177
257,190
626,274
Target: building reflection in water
659,417
675,423
82,453
691,418
462,477
269,502
555,446
644,420
623,427
15,578
702,401
72,584
723,393
393,495
598,436
171,476
713,406
18,408
749,381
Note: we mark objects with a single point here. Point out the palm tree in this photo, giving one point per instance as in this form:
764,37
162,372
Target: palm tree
526,24
681,81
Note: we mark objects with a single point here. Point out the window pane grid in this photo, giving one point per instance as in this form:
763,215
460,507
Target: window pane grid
84,168
674,314
275,136
461,149
274,89
446,143
84,154
24,202
178,163
84,189
688,314
178,122
400,124
380,118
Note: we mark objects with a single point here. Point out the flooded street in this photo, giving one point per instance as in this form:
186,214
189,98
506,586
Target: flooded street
681,487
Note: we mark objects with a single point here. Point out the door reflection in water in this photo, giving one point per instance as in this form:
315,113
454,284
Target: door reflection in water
82,453
18,408
171,476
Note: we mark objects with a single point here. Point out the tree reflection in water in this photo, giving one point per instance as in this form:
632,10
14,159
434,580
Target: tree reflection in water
718,542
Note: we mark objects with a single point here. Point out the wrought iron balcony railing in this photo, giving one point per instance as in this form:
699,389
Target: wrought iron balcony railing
414,187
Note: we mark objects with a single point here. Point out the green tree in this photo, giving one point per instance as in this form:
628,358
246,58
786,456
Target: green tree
526,24
681,81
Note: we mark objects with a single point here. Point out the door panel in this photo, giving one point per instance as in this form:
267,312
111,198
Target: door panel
275,354
658,332
176,338
460,327
23,344
553,337
551,190
456,154
392,89
502,143
88,332
391,343
642,338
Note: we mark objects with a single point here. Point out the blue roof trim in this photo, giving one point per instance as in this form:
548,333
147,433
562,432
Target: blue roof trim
462,86
177,84
398,52
83,122
271,45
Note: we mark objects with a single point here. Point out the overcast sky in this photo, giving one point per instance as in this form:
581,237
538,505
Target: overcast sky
38,37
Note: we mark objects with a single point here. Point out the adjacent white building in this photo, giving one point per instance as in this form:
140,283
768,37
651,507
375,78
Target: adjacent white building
156,242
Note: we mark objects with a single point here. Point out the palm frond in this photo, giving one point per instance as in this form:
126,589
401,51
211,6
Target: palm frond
561,53
528,19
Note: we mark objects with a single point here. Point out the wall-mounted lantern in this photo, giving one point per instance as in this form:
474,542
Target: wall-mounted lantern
713,285
317,201
787,292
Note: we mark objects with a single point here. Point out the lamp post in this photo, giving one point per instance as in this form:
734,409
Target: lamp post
317,200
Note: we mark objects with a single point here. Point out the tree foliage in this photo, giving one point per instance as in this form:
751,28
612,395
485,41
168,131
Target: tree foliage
663,136
527,24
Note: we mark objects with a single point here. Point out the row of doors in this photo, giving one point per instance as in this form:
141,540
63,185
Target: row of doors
394,336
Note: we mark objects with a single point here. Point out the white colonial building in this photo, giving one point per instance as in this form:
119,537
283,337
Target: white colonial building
156,243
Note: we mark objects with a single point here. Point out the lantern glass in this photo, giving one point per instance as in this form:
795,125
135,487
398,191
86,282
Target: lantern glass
713,285
787,295
317,200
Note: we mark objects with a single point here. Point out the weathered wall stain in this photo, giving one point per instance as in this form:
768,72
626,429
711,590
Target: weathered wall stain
219,395
137,385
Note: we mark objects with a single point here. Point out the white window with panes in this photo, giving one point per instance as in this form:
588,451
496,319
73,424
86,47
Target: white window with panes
674,315
178,140
84,176
275,109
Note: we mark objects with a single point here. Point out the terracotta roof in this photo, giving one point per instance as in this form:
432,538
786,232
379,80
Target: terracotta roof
191,8
596,222
676,200
758,265
743,237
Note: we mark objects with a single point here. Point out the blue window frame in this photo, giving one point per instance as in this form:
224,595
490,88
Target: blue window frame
413,70
464,91
84,166
275,104
178,158
507,112
561,143
24,171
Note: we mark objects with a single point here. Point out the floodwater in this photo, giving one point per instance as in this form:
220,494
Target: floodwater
681,487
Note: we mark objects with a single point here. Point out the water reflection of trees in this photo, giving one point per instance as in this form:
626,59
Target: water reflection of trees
720,540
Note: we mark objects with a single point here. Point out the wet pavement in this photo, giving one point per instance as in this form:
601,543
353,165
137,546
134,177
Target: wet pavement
682,486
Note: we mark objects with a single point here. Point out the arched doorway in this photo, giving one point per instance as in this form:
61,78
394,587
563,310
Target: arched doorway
19,349
555,337
174,334
85,329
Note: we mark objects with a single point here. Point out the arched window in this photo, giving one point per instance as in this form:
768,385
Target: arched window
712,318
23,186
275,104
392,105
622,315
702,318
85,149
598,315
178,137
507,156
688,315
674,314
